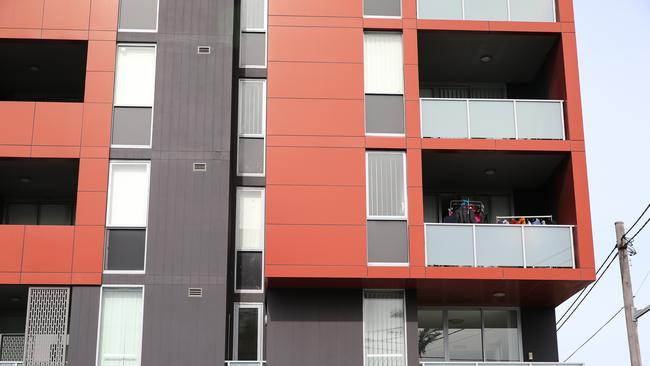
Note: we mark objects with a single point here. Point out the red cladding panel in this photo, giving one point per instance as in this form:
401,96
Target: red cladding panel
308,44
316,8
316,166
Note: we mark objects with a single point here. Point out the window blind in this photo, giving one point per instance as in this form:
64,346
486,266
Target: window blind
383,63
121,327
386,184
252,15
135,75
250,219
251,107
384,328
128,201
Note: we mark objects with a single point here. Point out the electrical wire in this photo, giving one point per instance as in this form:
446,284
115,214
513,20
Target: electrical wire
637,220
639,231
593,335
585,289
588,292
642,283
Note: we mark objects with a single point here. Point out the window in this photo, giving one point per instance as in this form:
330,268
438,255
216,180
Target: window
251,127
120,327
138,15
135,75
126,218
247,339
382,8
384,83
386,185
252,41
249,240
384,323
469,335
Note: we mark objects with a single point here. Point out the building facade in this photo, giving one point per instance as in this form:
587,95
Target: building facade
289,182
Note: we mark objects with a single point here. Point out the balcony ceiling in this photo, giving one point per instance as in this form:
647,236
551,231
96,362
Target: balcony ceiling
38,177
456,56
13,298
466,170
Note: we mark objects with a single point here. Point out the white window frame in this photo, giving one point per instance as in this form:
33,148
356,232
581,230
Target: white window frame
109,227
256,30
152,106
99,320
363,299
445,324
263,229
401,12
260,328
401,34
252,136
406,206
239,107
139,30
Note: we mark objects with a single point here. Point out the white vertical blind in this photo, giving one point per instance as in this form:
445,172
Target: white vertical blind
253,16
384,328
251,107
250,219
121,327
128,196
135,75
386,184
383,63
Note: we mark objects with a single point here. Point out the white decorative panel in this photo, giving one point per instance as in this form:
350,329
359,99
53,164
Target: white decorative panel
12,347
46,328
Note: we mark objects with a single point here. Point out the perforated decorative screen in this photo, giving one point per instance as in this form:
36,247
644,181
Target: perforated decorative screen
12,347
46,328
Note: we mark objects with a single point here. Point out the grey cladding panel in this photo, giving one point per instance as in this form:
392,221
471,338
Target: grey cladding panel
384,114
538,334
131,126
387,241
84,319
138,14
315,327
382,8
253,49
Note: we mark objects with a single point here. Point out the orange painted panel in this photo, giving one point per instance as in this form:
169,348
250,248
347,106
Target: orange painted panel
388,272
415,205
101,56
318,8
99,87
10,151
16,123
21,13
103,14
11,246
88,249
48,248
20,33
315,166
45,278
86,278
315,141
315,117
307,44
525,27
315,80
64,34
382,23
414,167
97,124
416,246
93,175
55,152
298,21
91,208
410,39
381,142
66,14
411,83
565,10
328,272
573,106
409,9
315,205
327,245
454,25
92,152
58,124
412,111
95,35
9,278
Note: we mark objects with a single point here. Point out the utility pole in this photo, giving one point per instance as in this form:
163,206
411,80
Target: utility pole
628,296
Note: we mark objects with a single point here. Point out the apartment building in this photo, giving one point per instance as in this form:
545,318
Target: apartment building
289,182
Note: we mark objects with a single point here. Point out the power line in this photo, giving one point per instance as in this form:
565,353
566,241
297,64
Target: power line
588,292
593,335
642,283
641,229
585,289
637,220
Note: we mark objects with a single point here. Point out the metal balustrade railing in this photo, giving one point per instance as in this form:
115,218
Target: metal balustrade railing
499,364
245,363
491,10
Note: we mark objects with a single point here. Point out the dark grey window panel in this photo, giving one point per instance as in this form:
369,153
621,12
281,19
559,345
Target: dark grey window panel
382,8
125,250
55,214
253,49
131,126
138,14
384,114
249,271
387,241
251,156
247,336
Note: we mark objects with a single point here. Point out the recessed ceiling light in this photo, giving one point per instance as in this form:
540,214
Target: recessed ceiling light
499,294
486,58
490,171
25,180
33,68
15,299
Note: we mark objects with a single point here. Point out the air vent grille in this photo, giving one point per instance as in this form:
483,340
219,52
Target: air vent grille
200,167
194,292
204,50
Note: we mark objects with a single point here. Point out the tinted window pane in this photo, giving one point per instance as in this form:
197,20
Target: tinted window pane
22,214
247,336
465,335
501,338
431,345
131,126
55,214
249,271
125,250
251,156
253,49
382,8
138,14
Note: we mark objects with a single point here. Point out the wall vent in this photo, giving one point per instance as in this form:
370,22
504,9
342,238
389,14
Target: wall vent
194,292
204,50
200,167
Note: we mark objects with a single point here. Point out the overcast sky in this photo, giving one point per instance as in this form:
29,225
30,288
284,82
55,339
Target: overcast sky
614,56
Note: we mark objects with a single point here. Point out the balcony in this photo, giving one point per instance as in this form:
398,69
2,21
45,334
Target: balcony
492,10
495,245
499,364
492,119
